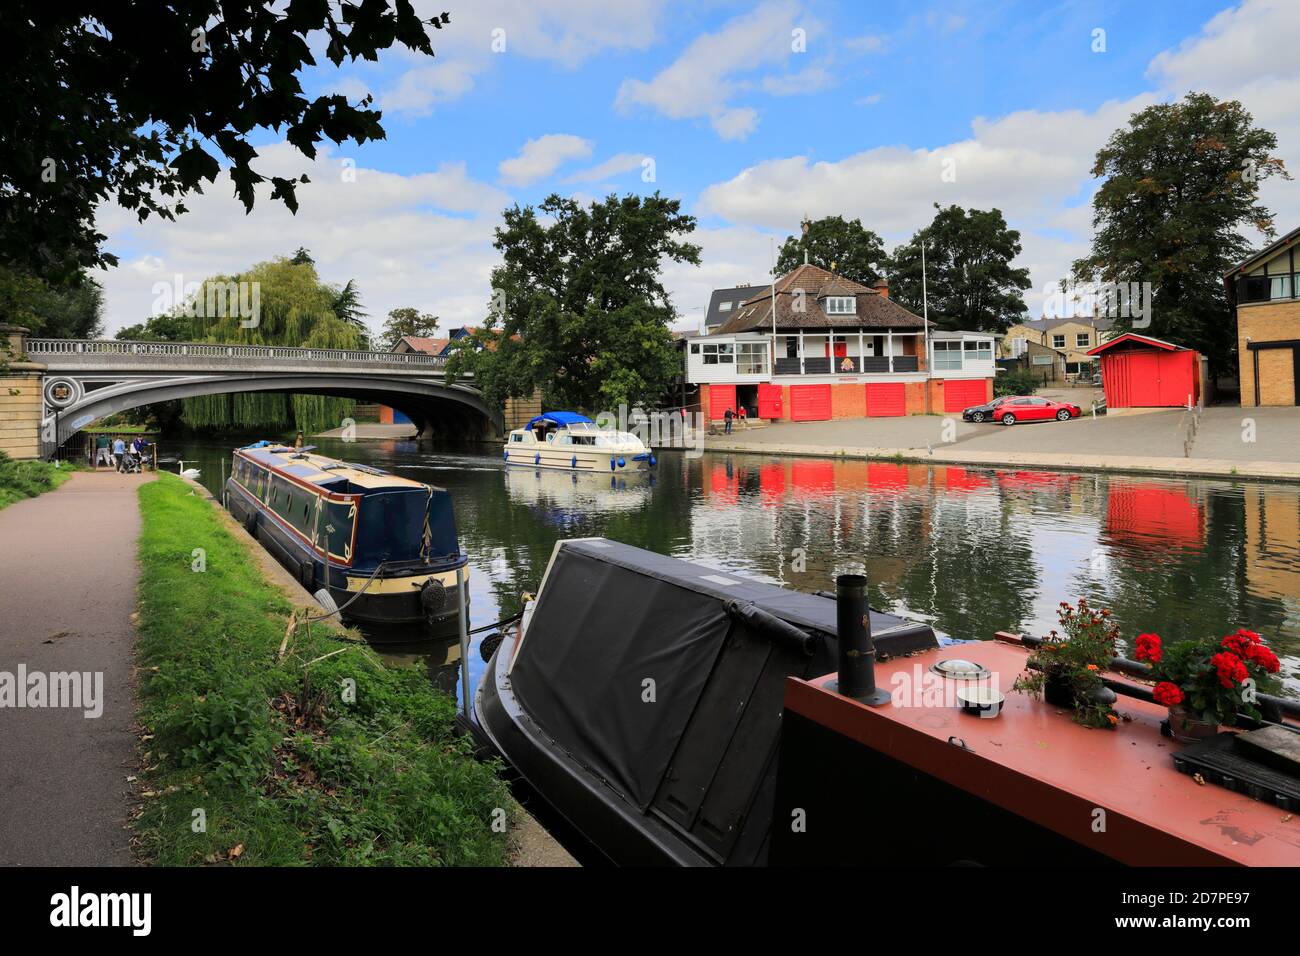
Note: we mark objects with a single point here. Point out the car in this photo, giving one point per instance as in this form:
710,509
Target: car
985,412
1032,408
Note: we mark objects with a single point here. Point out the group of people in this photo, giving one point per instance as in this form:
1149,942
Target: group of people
116,452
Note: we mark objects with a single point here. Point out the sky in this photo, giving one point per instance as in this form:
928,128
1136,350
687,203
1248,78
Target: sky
754,115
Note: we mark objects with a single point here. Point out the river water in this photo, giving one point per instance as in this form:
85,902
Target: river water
972,551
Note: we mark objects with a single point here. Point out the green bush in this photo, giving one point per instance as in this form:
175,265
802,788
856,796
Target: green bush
27,479
1015,381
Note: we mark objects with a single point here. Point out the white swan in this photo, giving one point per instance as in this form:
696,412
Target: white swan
191,473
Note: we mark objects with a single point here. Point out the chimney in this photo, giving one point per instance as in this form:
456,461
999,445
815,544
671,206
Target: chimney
881,286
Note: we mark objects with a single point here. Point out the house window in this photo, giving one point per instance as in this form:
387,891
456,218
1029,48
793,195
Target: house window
751,358
980,350
725,306
1254,289
1081,339
791,347
947,355
841,305
695,349
1279,287
717,354
1058,341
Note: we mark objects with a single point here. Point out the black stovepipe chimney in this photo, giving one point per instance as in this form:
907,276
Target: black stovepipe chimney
857,674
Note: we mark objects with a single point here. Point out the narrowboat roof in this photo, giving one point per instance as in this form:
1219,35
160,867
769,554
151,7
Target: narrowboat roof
560,418
323,470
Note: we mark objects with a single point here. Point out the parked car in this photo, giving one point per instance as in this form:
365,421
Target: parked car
1035,409
984,413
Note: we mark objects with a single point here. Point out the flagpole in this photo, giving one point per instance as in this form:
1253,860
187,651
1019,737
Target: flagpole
925,311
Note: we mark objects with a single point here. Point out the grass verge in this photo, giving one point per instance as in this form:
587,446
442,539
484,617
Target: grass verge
27,479
280,761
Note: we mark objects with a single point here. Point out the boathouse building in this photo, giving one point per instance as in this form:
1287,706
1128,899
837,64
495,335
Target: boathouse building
835,349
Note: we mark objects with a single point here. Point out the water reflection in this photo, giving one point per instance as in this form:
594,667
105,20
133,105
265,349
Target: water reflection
972,550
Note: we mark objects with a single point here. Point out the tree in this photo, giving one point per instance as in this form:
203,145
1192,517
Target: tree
347,307
70,310
293,307
1181,183
844,247
403,322
970,282
302,257
579,308
135,102
160,328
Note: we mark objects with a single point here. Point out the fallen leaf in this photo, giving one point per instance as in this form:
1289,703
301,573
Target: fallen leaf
1199,779
236,852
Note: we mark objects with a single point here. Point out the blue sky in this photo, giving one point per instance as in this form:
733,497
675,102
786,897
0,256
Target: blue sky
748,131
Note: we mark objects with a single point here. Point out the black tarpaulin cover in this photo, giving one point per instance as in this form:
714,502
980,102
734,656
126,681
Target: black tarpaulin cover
611,617
599,632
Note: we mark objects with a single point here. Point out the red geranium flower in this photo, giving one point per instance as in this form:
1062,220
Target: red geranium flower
1238,643
1260,654
1167,694
1230,667
1148,648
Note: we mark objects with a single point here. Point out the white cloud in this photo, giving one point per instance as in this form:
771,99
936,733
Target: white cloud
423,240
809,80
566,32
614,166
702,81
868,43
542,156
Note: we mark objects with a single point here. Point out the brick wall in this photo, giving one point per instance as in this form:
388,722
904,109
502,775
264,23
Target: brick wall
849,400
1275,321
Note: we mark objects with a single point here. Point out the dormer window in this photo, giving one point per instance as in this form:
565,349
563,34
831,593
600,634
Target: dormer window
841,305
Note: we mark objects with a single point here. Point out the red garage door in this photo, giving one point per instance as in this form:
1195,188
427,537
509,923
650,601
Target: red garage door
721,397
961,394
810,403
769,401
886,400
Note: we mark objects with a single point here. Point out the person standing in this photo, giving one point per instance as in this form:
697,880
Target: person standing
119,451
726,417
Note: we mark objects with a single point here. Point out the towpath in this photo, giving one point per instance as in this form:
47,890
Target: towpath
68,578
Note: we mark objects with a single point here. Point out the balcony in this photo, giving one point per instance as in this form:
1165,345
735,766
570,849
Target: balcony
847,365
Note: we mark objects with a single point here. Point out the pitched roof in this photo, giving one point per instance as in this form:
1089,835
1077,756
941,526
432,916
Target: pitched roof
1266,252
1046,324
1134,337
724,303
795,311
429,346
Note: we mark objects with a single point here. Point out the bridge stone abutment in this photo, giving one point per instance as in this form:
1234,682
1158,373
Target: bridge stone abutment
20,395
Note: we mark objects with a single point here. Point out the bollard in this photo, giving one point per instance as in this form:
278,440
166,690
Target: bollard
857,653
462,608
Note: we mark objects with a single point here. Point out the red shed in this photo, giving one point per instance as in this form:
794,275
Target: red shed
1138,371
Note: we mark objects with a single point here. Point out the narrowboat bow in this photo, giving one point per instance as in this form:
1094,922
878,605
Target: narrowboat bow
384,547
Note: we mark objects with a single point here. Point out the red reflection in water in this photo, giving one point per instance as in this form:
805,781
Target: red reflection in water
771,484
722,486
959,479
1140,512
816,477
887,477
1036,479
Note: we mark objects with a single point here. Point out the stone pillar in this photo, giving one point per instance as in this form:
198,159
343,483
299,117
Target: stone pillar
20,396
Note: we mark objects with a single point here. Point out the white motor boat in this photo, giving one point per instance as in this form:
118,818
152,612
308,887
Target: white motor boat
573,442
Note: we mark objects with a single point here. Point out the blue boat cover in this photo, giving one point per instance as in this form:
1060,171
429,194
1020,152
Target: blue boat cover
559,418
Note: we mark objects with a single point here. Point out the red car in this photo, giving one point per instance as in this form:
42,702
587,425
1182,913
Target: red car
1035,409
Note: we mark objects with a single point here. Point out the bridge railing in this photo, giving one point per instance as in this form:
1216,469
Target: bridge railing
217,350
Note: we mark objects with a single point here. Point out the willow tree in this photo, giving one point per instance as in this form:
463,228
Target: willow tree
281,302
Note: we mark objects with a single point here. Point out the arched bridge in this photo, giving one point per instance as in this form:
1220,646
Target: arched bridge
86,380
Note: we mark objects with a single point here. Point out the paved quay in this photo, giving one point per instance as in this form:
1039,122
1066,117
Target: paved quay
68,577
1226,442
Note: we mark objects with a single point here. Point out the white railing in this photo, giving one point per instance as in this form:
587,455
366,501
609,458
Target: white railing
215,350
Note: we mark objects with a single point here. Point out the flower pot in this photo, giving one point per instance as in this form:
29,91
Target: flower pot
1187,727
1058,691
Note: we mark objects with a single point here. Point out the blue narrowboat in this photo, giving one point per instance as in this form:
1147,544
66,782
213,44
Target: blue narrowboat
384,547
